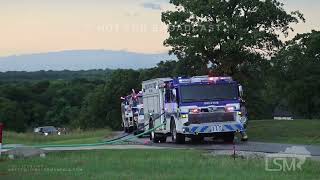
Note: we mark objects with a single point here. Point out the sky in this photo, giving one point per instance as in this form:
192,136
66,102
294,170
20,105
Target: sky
38,26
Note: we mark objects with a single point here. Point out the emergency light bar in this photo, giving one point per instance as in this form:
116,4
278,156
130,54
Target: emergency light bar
184,81
204,79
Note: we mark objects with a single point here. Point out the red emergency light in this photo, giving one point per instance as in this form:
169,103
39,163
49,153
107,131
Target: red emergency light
195,110
230,108
213,78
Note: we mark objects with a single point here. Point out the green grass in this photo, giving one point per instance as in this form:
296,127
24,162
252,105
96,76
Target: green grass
147,164
292,132
73,137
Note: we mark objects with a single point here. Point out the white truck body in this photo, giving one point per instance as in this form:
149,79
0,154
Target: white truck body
153,102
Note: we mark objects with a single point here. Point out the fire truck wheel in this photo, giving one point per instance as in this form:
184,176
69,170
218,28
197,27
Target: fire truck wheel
197,139
176,137
130,129
228,137
163,139
158,138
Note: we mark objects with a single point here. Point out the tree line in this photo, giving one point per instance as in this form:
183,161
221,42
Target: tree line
19,76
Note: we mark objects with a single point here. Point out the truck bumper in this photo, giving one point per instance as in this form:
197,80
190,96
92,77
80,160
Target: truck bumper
212,128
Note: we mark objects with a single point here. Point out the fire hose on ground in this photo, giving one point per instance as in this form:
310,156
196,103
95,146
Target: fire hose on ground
117,140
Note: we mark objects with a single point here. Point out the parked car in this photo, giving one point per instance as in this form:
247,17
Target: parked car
47,130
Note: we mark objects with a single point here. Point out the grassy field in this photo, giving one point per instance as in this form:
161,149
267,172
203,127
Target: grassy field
293,132
147,164
74,137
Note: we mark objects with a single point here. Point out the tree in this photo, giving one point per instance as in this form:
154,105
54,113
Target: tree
120,84
226,33
12,115
94,110
101,107
296,75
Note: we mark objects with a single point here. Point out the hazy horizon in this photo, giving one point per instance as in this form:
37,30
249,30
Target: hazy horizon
81,60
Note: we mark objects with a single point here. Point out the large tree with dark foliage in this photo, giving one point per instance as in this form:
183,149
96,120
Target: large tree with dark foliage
226,33
102,106
296,76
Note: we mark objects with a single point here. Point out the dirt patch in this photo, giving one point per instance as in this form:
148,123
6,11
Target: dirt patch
25,152
239,154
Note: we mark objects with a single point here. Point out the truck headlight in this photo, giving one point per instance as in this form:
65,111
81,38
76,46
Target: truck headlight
184,115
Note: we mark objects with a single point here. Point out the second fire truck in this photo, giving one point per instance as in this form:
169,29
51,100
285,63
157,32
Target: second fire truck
131,108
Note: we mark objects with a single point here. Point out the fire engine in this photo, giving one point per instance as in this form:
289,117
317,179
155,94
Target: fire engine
195,107
130,109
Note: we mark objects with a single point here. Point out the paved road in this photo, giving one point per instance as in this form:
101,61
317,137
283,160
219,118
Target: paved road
208,144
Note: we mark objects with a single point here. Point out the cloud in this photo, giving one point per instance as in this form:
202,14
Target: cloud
153,6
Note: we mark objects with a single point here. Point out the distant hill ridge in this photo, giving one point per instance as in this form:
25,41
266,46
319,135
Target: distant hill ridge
81,60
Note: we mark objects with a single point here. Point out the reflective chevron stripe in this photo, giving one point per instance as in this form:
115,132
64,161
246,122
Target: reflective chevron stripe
208,129
204,129
194,129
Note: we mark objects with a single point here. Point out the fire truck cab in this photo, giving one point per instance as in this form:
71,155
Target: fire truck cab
195,107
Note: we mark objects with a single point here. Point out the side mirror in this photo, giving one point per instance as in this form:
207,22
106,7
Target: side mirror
240,91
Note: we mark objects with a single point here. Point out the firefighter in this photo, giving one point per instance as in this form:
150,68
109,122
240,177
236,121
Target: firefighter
244,120
244,136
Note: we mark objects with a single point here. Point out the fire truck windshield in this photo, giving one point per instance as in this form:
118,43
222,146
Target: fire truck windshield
209,92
